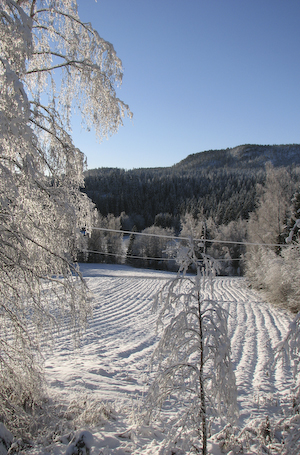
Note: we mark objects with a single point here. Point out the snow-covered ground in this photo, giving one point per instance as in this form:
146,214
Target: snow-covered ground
113,362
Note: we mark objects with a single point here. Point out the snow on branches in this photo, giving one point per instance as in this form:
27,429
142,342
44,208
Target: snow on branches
192,361
50,64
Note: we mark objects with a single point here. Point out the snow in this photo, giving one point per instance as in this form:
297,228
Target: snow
112,365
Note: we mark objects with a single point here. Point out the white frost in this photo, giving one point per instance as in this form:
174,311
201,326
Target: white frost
112,364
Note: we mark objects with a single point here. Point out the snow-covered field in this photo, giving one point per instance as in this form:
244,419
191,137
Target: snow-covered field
113,362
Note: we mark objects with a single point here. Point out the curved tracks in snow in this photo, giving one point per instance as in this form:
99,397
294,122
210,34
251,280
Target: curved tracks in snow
116,349
114,358
255,328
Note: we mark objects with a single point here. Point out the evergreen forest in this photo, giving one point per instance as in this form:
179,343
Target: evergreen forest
221,184
227,197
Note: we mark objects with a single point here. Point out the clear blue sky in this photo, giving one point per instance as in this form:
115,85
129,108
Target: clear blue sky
198,75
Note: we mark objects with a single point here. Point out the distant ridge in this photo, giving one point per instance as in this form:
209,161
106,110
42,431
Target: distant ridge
243,156
217,183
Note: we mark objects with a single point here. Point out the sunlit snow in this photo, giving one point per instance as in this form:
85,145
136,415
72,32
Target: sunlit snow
112,363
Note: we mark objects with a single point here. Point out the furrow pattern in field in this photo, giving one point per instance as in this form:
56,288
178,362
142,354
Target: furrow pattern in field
116,349
114,358
255,329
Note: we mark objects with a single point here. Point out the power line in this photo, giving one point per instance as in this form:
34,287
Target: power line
126,257
174,237
104,253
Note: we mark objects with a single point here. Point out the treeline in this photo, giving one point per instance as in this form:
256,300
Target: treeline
256,247
222,194
220,184
273,266
253,203
149,248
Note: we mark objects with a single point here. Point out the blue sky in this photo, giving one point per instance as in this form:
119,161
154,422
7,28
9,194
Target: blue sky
198,75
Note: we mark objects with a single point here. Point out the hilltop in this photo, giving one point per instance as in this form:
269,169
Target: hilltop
217,183
242,157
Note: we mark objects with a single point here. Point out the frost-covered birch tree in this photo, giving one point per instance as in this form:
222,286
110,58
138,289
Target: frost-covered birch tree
191,362
51,64
288,350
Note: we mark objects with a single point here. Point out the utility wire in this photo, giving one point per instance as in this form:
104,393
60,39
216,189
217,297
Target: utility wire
127,257
174,237
146,257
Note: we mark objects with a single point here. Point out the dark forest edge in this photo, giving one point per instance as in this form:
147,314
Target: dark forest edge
246,194
220,184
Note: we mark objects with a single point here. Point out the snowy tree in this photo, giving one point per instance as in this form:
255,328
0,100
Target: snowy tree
288,352
129,259
294,224
274,269
151,246
266,227
192,359
104,242
50,65
229,253
193,226
267,224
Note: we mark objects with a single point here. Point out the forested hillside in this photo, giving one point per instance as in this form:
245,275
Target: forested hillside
219,183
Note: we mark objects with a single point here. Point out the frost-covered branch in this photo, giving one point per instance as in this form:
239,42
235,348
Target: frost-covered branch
191,362
42,209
